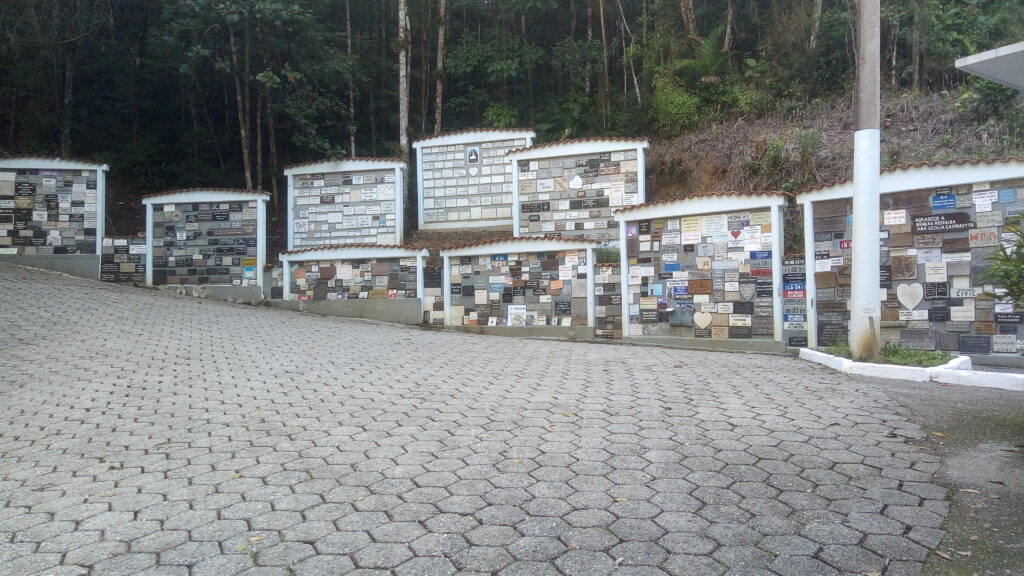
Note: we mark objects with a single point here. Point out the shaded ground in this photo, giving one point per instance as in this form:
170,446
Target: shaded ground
982,448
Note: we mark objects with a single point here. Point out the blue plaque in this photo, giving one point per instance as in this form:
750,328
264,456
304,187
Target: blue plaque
943,201
1007,195
761,255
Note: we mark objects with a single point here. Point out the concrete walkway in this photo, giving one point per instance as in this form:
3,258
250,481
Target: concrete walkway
143,433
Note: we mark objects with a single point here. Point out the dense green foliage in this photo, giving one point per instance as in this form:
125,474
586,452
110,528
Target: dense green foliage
893,353
1007,265
162,89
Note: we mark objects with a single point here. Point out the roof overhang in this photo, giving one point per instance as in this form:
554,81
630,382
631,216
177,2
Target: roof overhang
1004,65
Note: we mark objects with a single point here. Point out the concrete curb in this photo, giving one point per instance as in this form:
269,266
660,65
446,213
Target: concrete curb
957,371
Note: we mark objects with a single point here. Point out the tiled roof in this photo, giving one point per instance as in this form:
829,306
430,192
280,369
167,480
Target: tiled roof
580,141
328,160
521,239
911,166
707,194
214,190
470,131
52,159
343,246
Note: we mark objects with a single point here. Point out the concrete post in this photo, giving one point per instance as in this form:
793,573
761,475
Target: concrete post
865,308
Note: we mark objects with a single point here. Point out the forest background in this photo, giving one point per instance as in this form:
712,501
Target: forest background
735,94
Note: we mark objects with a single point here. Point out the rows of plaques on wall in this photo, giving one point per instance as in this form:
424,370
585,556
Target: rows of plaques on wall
701,276
525,289
469,182
794,302
935,244
433,295
575,196
205,243
123,260
48,211
608,301
370,278
345,208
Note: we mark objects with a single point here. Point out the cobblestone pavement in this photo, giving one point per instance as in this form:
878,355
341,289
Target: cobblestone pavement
142,433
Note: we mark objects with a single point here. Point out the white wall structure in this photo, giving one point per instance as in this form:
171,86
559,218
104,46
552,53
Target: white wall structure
716,254
349,254
464,179
210,236
509,280
571,188
353,201
51,206
937,224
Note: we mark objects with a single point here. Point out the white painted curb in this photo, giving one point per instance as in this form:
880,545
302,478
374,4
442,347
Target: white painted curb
956,371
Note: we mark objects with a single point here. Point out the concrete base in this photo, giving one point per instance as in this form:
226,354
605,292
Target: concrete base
751,345
1000,360
234,294
956,371
557,332
397,311
82,265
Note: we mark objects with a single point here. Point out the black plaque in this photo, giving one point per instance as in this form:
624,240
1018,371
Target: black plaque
975,344
798,341
1009,318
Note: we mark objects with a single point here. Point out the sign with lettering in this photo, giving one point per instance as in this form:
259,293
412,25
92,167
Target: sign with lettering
951,222
975,344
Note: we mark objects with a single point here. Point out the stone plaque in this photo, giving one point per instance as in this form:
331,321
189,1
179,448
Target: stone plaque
949,222
832,334
975,344
1009,318
938,315
948,341
918,339
1004,343
984,328
824,280
958,326
954,245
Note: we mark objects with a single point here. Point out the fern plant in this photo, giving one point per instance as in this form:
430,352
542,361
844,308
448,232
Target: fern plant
1007,269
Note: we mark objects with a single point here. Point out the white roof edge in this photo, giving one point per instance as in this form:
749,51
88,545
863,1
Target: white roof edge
1003,65
554,150
51,163
201,195
700,206
469,137
924,177
352,253
545,245
344,166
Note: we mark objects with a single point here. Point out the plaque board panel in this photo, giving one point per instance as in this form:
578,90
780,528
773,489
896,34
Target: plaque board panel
123,260
49,211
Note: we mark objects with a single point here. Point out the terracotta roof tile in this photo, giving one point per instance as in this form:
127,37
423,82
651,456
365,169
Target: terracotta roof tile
342,246
580,141
471,131
521,239
926,164
215,190
706,194
327,160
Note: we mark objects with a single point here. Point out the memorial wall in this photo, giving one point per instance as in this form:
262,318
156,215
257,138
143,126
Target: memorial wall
608,308
50,206
364,278
572,188
934,248
708,276
206,237
348,202
433,295
465,180
513,284
123,260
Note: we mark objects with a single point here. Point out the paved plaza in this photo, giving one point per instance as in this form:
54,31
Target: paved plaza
145,433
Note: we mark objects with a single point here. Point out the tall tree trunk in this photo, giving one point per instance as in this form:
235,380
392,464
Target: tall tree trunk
689,19
729,12
442,24
259,140
351,89
815,24
403,78
605,81
632,42
272,136
69,94
915,48
243,128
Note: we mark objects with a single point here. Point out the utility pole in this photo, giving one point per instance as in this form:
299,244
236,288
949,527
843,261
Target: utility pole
865,305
